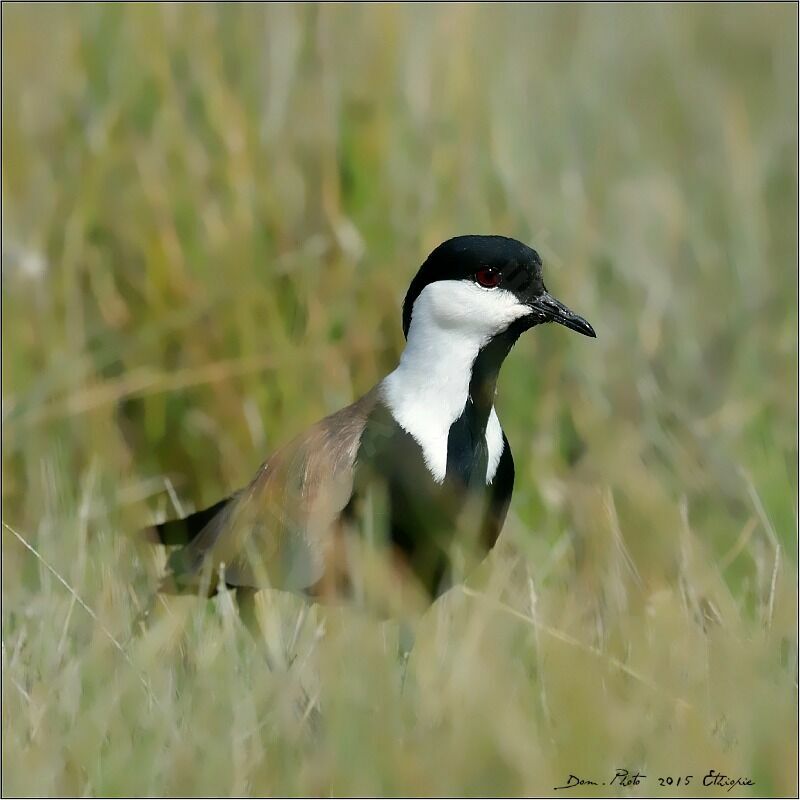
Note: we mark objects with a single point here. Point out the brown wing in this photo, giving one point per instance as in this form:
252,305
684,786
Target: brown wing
279,531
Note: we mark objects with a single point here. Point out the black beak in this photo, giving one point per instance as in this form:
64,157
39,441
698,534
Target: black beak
551,310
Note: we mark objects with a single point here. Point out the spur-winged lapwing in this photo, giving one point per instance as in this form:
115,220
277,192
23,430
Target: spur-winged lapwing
427,437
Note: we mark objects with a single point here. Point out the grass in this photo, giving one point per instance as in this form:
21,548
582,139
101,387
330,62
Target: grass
210,217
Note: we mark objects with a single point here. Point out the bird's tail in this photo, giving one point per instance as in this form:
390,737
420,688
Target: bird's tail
176,532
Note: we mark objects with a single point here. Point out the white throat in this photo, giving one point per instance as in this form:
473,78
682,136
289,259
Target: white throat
426,394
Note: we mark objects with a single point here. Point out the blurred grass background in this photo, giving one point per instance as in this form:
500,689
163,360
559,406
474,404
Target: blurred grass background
210,217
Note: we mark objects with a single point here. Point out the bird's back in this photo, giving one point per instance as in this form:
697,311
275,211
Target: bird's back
275,532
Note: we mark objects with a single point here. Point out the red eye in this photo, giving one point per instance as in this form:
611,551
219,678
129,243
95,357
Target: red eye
488,277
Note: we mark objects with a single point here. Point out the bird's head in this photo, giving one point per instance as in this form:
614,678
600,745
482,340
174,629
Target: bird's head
482,287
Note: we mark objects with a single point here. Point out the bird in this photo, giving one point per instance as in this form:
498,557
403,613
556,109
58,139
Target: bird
426,441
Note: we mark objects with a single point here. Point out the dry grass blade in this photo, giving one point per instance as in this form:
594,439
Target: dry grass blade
567,639
106,632
143,383
774,541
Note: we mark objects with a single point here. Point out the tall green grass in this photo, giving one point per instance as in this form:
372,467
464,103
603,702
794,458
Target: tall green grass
210,216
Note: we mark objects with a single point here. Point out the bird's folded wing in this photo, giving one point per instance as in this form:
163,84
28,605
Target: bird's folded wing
278,530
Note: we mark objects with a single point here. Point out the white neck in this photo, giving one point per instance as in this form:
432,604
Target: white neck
427,392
